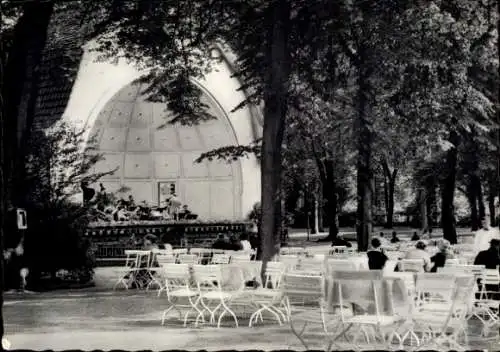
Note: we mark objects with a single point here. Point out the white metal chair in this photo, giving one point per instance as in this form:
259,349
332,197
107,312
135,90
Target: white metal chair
300,289
162,259
268,298
289,260
442,328
188,259
376,322
211,289
129,273
335,250
413,265
487,306
177,286
292,251
335,264
240,258
220,259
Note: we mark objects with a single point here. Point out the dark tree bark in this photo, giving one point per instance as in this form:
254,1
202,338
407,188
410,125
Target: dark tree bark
422,204
480,201
364,222
491,199
21,82
431,201
472,199
275,109
389,185
448,192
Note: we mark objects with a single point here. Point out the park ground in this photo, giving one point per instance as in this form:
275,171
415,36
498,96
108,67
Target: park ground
98,318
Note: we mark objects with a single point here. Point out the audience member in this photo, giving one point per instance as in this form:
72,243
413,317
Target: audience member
439,259
340,241
419,252
245,243
490,259
394,238
376,256
415,237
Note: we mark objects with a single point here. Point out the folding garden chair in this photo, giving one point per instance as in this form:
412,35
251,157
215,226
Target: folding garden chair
128,273
381,323
177,286
220,259
442,328
412,265
268,298
160,270
211,289
188,259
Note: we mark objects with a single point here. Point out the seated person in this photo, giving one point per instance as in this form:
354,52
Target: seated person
245,243
234,244
439,259
419,252
340,241
394,238
221,242
376,256
184,212
415,237
490,259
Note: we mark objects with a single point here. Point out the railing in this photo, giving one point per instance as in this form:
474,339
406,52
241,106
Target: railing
109,240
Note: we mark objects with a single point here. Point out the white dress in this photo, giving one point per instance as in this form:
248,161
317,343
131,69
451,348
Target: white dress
246,246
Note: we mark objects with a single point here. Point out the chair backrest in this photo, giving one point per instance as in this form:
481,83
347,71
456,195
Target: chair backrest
162,251
207,277
465,295
273,274
176,276
217,251
292,251
220,259
450,262
434,287
240,258
333,264
413,265
306,288
311,265
290,261
367,278
490,277
199,251
188,258
180,251
138,258
165,259
338,250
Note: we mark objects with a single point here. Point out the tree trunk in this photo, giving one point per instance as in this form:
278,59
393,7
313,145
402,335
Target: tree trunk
471,198
430,201
424,219
480,202
389,187
448,192
364,173
316,214
320,210
491,199
275,109
330,192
